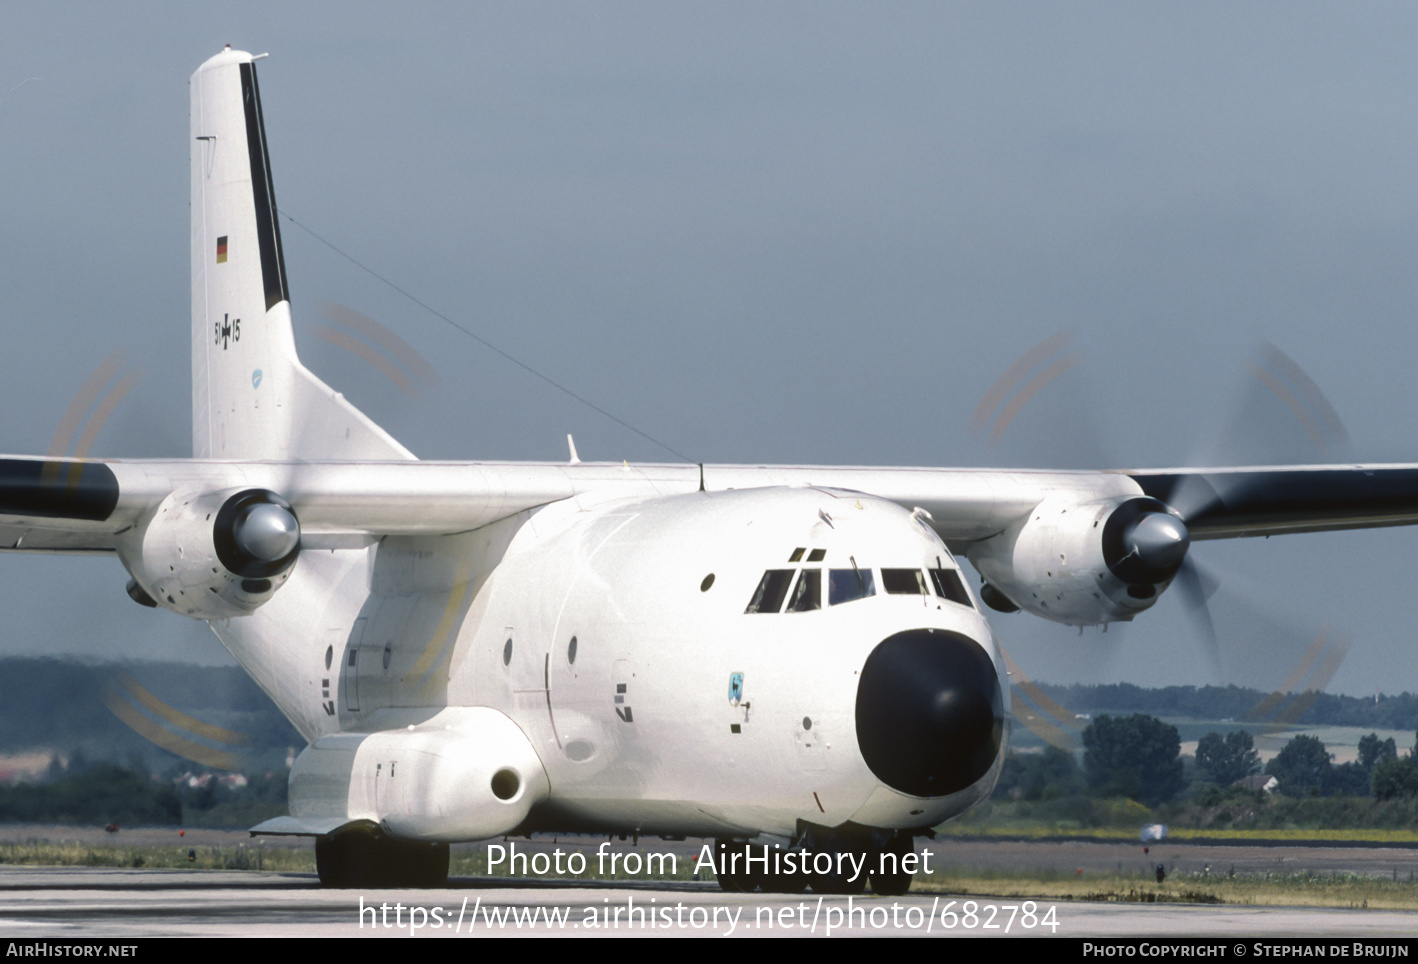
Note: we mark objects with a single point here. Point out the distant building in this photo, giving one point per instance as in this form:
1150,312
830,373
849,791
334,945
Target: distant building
1258,781
16,767
232,781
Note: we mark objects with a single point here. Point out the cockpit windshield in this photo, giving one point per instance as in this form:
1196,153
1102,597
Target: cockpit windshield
948,586
845,585
904,582
807,594
768,597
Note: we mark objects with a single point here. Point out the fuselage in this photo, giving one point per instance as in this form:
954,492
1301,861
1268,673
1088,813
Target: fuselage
730,663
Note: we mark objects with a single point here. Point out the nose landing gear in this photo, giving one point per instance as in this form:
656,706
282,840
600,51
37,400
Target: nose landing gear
832,862
890,877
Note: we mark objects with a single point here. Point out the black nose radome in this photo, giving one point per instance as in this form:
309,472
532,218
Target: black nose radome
930,715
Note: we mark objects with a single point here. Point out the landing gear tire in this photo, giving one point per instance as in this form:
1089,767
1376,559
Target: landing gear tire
764,872
411,863
755,876
888,879
736,883
791,883
848,853
367,860
839,883
732,879
336,859
729,883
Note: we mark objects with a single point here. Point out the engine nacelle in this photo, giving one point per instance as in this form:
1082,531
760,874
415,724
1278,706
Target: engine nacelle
1084,564
212,555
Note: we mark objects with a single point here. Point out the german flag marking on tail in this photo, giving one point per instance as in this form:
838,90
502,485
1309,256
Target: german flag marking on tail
221,249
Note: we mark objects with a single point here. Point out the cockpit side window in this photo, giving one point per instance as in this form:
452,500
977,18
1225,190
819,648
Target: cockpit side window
807,594
948,585
768,597
845,585
904,582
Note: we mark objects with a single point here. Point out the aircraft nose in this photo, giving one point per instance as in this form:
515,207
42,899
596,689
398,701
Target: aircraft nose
930,714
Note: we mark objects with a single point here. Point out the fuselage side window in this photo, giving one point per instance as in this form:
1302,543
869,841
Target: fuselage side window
948,585
845,585
807,594
899,582
768,597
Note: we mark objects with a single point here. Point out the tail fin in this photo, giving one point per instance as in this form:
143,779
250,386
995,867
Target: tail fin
252,399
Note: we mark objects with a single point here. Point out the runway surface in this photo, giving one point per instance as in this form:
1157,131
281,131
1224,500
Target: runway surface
103,903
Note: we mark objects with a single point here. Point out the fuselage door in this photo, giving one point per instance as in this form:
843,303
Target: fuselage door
349,669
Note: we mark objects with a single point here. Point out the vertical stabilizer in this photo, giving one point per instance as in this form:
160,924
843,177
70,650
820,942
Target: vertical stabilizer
251,397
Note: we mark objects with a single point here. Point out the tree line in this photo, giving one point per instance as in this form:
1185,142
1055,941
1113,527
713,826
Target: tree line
1398,712
1139,757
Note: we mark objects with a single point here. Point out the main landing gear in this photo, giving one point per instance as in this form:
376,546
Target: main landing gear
367,859
831,863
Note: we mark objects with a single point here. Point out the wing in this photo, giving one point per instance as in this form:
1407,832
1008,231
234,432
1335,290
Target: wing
1230,503
49,505
81,506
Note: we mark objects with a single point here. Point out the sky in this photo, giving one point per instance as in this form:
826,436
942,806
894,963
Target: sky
809,233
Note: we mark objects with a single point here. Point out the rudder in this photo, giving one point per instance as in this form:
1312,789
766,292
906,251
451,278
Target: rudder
252,399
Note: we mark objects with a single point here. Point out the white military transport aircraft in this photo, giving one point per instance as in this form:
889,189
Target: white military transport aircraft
764,655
